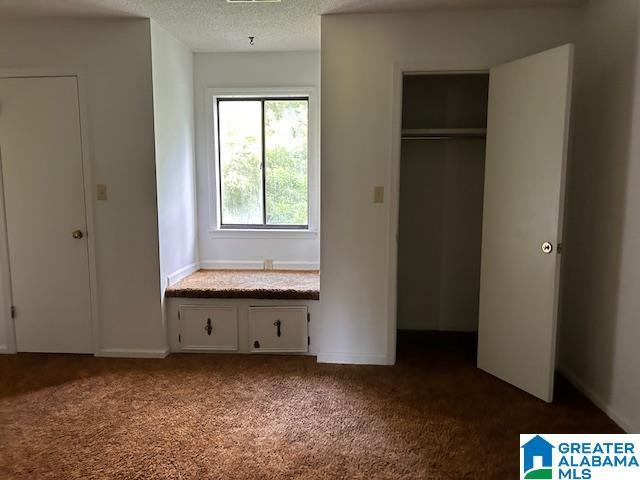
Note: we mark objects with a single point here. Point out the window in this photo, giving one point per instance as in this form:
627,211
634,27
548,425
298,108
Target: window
263,162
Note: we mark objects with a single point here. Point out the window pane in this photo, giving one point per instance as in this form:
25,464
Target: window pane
286,127
241,161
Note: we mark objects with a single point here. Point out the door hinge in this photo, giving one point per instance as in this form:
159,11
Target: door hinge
178,314
179,338
13,311
308,317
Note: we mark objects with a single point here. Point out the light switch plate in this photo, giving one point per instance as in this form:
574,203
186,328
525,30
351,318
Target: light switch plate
101,191
378,194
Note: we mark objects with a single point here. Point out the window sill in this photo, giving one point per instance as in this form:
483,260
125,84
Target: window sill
262,234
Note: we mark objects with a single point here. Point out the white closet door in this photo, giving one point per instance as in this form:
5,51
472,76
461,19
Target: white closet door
528,120
41,155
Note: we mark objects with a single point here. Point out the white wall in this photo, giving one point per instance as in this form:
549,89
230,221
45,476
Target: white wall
117,57
175,159
358,57
600,329
248,70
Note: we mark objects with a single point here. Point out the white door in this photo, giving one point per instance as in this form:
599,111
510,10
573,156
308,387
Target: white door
41,158
528,120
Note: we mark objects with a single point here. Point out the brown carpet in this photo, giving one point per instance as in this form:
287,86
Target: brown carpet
432,416
271,284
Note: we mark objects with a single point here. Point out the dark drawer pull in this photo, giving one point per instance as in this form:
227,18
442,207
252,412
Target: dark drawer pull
208,328
278,324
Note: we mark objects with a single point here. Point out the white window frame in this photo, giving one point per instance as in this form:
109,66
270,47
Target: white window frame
313,172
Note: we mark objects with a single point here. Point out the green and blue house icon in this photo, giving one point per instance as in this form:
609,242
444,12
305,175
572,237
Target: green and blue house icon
537,447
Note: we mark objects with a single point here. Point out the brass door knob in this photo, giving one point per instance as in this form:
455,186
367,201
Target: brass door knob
77,234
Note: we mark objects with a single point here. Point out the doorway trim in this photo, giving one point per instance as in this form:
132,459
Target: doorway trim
399,71
80,74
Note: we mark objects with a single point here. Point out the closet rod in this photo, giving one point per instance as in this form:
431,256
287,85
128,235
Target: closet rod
442,133
444,137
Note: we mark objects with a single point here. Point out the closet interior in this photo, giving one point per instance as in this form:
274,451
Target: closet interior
444,120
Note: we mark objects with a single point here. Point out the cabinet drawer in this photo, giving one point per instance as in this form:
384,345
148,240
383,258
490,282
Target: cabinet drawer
278,329
208,328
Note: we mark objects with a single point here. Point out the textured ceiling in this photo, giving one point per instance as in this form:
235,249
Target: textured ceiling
215,25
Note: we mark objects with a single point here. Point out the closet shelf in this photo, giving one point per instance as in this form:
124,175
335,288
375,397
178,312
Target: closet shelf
442,133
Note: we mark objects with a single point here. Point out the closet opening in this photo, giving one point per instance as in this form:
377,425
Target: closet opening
444,121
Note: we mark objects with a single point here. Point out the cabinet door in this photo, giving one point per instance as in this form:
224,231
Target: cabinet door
208,328
278,329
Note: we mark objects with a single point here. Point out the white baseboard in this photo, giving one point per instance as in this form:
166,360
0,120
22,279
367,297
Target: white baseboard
258,265
114,352
231,264
597,400
353,358
296,265
133,353
182,273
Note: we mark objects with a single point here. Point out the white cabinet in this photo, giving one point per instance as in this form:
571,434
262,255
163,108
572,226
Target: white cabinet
208,328
235,325
278,329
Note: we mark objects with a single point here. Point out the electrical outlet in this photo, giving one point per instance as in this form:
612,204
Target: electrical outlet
378,194
268,264
101,189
